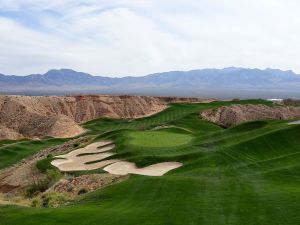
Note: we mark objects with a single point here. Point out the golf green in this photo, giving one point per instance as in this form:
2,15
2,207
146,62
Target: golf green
158,138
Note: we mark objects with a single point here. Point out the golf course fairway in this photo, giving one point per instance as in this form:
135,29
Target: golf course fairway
245,175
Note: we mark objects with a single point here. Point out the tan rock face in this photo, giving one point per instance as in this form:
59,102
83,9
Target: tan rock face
38,116
22,116
228,116
7,133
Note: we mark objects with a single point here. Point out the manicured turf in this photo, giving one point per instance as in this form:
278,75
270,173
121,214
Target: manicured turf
7,142
246,175
158,139
16,151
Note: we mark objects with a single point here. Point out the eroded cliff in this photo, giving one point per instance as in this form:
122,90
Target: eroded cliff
228,116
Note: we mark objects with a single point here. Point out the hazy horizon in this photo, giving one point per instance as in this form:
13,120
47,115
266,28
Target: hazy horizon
158,72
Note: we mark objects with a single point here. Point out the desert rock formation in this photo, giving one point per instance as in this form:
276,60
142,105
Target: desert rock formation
38,116
228,116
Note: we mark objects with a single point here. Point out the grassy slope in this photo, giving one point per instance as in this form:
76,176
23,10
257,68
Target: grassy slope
245,175
12,152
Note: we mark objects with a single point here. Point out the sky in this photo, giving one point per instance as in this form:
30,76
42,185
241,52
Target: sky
139,37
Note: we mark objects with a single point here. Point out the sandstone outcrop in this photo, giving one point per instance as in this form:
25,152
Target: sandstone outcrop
228,116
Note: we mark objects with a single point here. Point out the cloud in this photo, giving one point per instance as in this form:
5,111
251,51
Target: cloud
135,37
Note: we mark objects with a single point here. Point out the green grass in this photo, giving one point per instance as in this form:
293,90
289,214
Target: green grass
158,139
8,142
45,164
16,151
245,175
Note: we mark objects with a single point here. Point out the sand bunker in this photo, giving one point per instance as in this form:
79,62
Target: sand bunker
294,122
124,168
78,160
93,148
79,163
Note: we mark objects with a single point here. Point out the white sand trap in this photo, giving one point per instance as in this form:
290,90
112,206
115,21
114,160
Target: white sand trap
294,122
159,169
74,162
92,148
79,163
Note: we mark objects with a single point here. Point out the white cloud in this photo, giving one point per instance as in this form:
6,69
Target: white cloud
134,37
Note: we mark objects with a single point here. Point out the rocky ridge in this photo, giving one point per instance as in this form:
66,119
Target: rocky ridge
228,116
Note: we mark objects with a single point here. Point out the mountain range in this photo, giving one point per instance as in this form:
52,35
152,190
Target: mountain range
221,83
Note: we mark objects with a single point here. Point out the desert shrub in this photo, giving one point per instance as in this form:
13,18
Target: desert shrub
54,199
82,191
18,199
53,175
50,200
37,202
37,188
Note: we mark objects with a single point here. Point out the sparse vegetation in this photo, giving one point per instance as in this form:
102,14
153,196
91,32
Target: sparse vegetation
50,200
12,199
52,173
37,188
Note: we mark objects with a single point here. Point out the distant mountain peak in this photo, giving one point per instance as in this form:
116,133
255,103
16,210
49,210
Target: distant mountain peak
64,71
232,68
230,81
